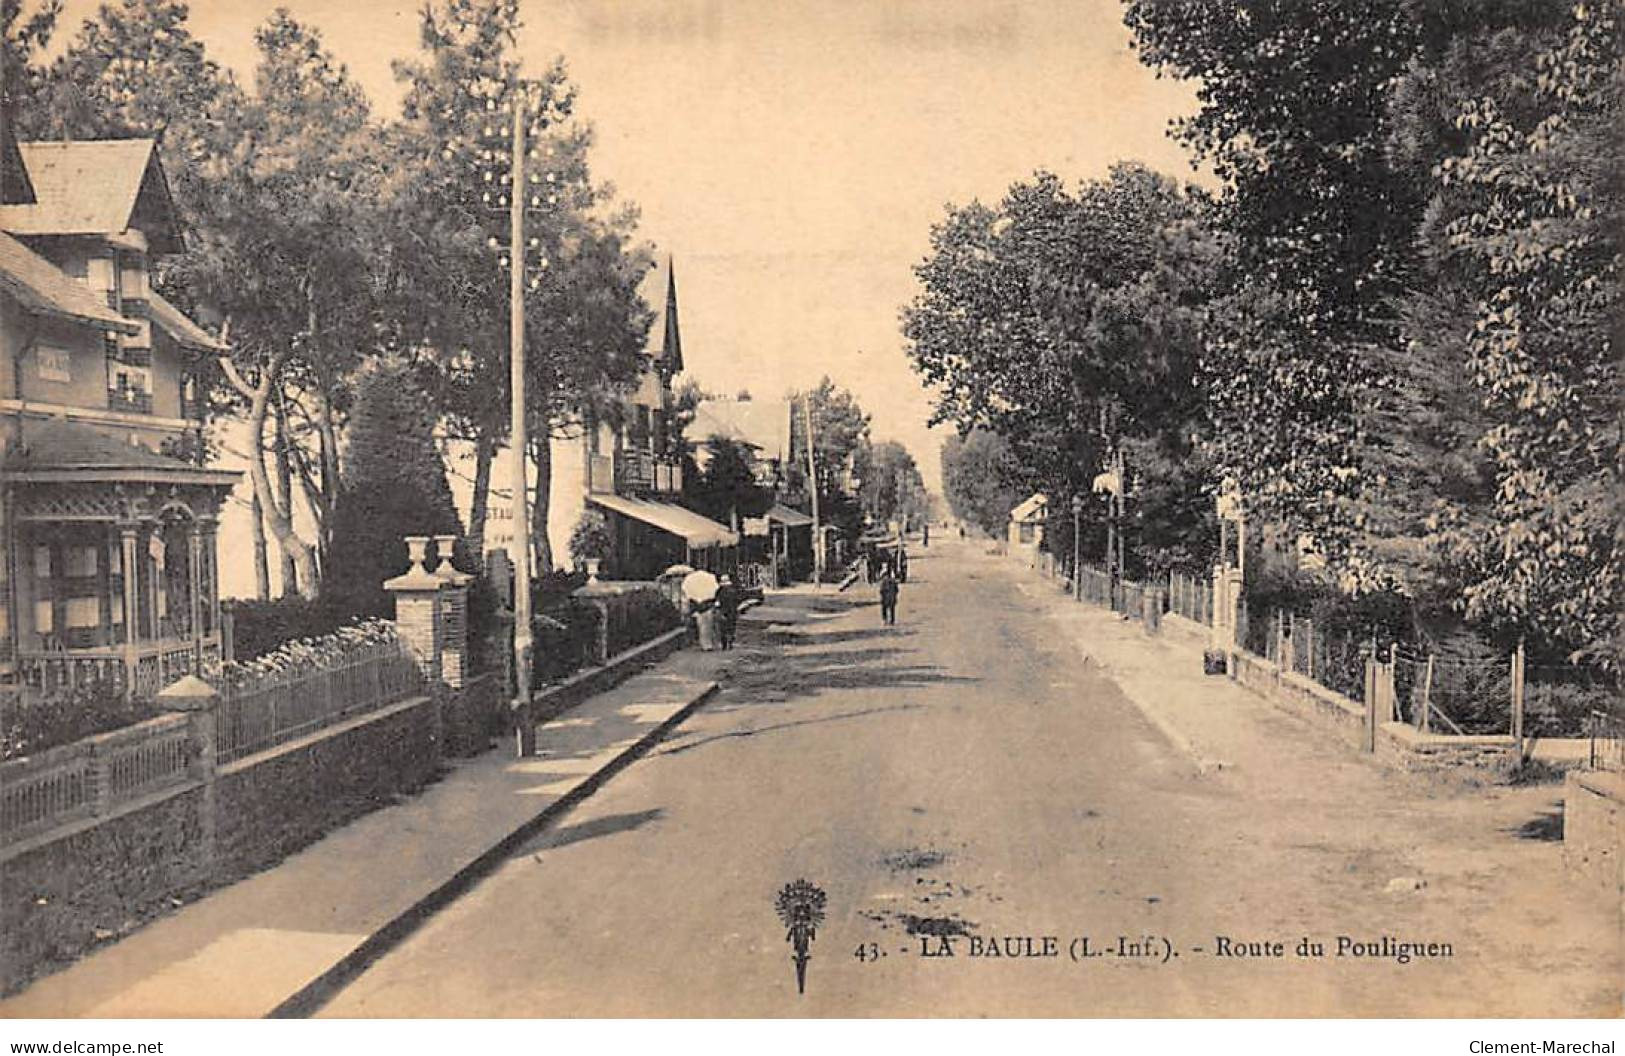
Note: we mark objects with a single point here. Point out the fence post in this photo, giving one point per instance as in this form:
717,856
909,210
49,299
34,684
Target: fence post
1517,699
1371,691
1427,697
1309,648
200,702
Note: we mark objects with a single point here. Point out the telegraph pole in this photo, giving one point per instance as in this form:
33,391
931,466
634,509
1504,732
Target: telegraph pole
517,438
812,488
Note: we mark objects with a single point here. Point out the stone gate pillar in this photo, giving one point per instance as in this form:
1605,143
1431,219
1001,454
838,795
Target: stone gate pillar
419,616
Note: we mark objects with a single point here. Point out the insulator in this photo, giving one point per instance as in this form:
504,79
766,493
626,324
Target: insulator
502,262
535,242
542,263
552,177
535,201
492,242
487,176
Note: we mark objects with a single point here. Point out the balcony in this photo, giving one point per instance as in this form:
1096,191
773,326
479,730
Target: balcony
129,401
632,471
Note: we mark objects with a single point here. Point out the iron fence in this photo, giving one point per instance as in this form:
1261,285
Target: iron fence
279,702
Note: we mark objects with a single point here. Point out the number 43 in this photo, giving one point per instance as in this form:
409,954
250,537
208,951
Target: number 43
868,951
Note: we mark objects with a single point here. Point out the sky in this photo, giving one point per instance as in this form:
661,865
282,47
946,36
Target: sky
791,155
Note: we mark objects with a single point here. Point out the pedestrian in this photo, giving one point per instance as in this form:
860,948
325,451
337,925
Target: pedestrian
925,536
727,611
902,565
888,598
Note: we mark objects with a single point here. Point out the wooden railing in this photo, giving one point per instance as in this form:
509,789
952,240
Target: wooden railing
91,777
158,663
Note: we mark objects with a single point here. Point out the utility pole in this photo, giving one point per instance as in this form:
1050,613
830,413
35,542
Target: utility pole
517,439
812,488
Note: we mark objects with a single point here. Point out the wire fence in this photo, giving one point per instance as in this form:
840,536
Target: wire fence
1191,597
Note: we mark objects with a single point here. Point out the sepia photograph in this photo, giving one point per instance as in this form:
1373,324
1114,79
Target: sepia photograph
827,510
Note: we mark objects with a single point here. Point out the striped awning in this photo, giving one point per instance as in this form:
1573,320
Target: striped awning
693,529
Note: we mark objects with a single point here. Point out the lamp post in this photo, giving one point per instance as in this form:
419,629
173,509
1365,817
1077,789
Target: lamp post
1077,548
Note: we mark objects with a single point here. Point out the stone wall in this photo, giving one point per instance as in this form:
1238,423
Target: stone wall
98,880
1594,830
63,892
274,803
1473,760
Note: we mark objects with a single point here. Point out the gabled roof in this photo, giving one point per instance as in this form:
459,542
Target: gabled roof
39,286
181,330
1033,509
15,188
763,424
59,450
96,187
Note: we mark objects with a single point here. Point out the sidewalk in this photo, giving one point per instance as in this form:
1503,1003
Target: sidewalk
246,949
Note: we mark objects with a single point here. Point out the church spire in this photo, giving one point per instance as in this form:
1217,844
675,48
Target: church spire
671,352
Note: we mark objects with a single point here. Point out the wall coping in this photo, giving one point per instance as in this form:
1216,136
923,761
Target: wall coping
614,663
1411,737
1603,783
1320,692
610,588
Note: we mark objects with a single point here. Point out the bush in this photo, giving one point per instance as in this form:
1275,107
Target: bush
590,538
62,718
646,615
564,640
259,627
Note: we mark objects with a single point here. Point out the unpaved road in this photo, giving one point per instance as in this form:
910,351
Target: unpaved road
963,775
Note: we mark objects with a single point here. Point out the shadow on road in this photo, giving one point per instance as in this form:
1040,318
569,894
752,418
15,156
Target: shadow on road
777,726
608,825
1547,826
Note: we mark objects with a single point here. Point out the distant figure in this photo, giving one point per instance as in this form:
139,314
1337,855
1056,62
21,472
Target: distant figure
727,611
902,565
961,531
925,536
888,598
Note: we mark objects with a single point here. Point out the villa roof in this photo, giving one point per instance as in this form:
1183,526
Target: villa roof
40,286
1033,509
60,450
95,187
763,424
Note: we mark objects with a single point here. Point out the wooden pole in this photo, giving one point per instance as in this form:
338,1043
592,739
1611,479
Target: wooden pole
1517,699
1427,696
812,489
518,441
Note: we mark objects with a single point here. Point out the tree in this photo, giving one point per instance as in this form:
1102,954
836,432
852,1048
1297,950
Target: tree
893,489
1527,214
586,323
394,486
726,490
1071,325
840,452
981,479
289,251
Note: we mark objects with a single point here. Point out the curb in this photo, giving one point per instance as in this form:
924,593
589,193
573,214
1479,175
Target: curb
310,998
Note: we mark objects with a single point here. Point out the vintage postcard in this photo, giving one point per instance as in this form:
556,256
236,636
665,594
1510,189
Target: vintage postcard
812,509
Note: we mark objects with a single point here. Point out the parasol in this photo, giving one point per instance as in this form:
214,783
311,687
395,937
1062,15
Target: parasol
699,586
677,570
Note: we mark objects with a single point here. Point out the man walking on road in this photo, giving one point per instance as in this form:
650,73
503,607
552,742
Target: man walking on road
888,597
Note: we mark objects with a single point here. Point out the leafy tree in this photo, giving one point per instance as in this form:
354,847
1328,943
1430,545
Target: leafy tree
1527,215
893,489
394,486
585,321
981,479
289,250
726,490
1071,323
840,453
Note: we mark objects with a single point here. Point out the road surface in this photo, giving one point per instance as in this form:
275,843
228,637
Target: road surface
964,784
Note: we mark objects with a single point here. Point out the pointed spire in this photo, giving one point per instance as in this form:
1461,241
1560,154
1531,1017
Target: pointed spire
671,352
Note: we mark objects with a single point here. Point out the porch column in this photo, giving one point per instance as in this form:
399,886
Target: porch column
194,570
132,616
211,555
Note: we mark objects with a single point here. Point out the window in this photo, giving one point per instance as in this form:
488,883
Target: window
55,364
1026,533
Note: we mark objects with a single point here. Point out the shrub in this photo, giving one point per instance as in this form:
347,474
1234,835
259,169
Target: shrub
62,718
590,538
394,485
258,627
564,641
646,615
